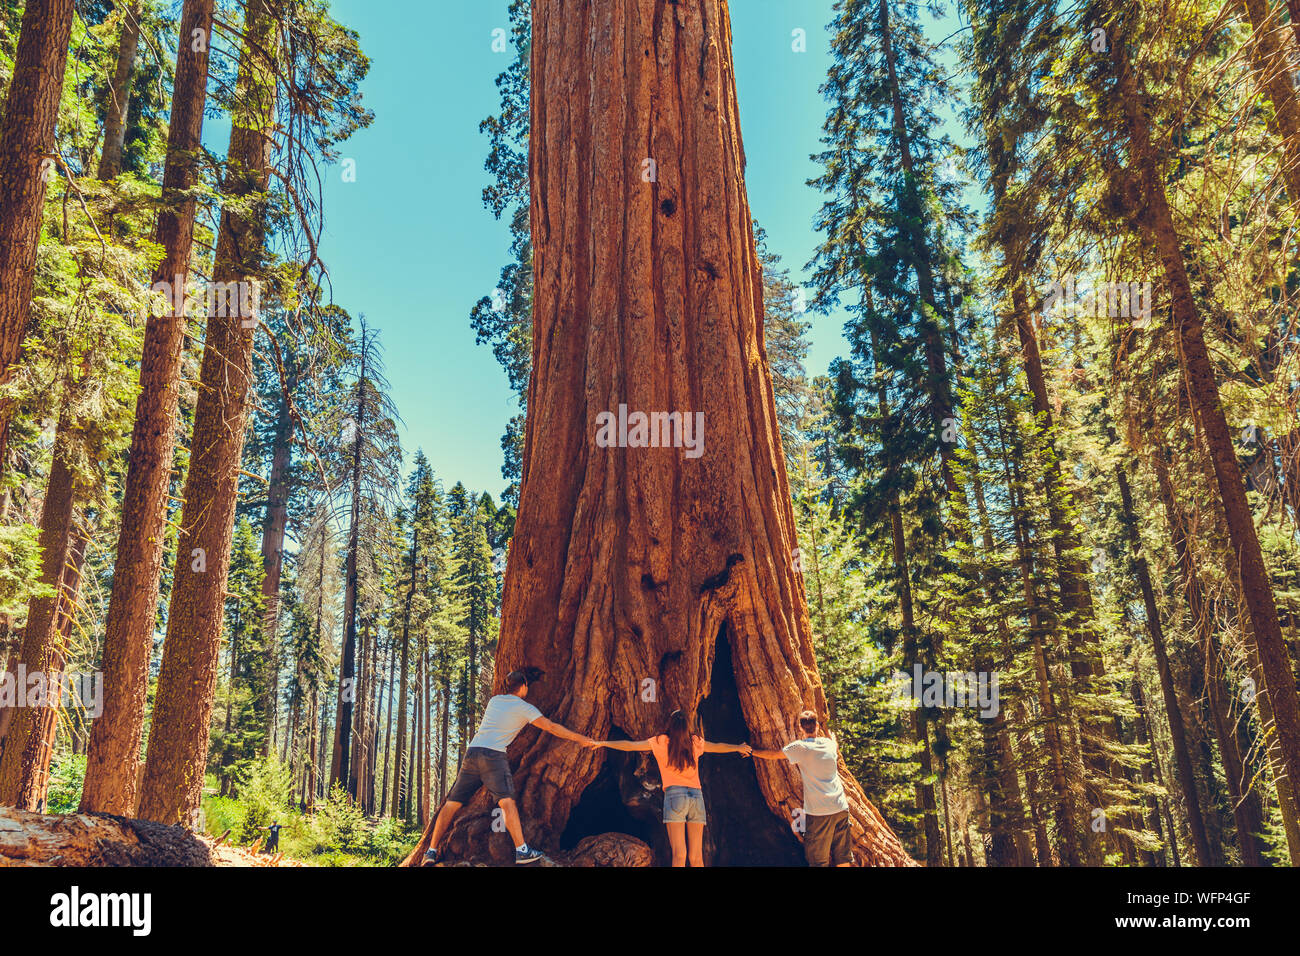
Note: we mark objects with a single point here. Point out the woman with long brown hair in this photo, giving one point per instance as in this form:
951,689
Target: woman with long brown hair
677,751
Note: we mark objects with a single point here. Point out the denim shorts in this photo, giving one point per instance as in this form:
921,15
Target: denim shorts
684,805
482,768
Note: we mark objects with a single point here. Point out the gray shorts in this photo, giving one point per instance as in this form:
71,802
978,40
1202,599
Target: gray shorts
482,768
684,805
828,840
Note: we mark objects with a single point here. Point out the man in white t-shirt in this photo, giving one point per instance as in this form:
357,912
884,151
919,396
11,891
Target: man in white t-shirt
485,763
827,839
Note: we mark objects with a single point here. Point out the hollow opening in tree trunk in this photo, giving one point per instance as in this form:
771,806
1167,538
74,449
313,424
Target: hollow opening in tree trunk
742,830
625,797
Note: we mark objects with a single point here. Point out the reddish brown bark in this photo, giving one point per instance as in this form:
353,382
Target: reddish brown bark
29,744
634,564
357,779
26,149
113,755
1203,391
178,741
78,840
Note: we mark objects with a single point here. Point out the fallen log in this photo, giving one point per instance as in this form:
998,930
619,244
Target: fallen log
95,839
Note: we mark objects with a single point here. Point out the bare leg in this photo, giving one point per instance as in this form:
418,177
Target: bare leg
695,843
677,840
511,813
440,825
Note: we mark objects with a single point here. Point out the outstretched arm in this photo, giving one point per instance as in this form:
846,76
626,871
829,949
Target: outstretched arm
727,748
768,754
626,745
559,730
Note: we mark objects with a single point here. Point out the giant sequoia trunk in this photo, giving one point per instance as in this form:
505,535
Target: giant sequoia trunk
26,150
114,752
644,579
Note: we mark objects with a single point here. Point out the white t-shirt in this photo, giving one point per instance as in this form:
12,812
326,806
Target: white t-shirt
505,716
817,760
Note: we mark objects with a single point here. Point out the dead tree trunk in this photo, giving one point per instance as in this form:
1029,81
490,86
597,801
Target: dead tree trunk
644,578
273,530
355,781
444,738
96,840
339,765
119,95
425,734
388,731
400,781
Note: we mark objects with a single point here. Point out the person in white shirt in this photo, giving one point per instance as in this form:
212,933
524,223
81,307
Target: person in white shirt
485,763
827,838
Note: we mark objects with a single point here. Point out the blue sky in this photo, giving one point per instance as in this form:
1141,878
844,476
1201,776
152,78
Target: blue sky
410,245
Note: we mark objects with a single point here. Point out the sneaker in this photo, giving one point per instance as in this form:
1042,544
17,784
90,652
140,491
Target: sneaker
528,856
430,856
